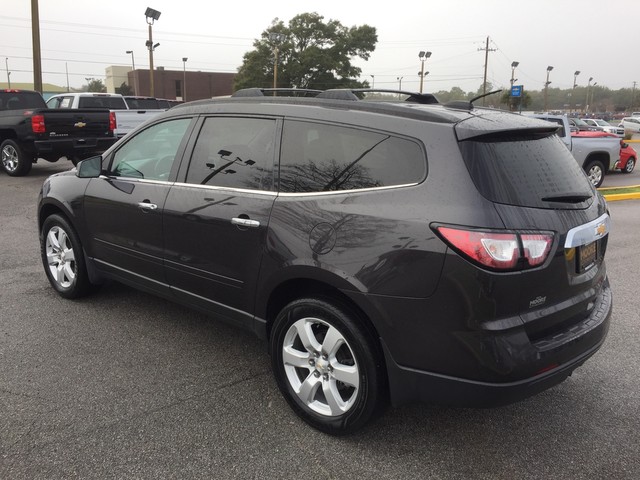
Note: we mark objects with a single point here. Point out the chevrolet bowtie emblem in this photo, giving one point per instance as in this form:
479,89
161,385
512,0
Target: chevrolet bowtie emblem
80,124
601,229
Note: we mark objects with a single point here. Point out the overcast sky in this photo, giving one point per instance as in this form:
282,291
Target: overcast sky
595,37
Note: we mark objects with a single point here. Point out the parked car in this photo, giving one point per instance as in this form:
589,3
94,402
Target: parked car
604,125
30,131
630,124
628,158
406,250
582,126
128,112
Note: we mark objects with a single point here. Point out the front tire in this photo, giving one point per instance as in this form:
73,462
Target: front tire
13,160
595,172
631,163
327,365
63,258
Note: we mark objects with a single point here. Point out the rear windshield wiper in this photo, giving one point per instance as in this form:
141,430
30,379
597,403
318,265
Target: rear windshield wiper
568,198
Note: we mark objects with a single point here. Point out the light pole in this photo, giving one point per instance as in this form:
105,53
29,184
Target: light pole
593,88
400,85
276,39
423,57
513,72
546,88
6,62
373,81
587,105
513,80
184,79
133,65
151,16
422,74
575,84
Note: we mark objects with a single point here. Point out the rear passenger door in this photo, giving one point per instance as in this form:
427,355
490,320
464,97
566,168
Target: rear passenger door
216,218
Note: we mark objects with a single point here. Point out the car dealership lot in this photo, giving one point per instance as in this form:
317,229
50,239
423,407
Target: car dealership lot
123,384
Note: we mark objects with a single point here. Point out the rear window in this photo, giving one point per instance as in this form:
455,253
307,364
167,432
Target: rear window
112,103
528,171
12,100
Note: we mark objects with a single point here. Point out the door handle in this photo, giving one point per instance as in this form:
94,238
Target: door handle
245,222
147,206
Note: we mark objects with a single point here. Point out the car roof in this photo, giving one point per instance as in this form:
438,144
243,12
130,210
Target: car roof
469,121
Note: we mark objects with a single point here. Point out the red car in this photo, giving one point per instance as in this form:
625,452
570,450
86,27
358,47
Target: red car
628,158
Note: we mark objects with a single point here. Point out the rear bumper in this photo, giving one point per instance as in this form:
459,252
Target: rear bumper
556,358
72,147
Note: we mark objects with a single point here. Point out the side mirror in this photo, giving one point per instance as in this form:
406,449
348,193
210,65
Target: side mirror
89,168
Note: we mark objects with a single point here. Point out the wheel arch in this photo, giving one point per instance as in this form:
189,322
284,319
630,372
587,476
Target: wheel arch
600,156
292,288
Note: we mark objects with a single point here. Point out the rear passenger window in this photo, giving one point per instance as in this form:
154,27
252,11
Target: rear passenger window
320,158
234,152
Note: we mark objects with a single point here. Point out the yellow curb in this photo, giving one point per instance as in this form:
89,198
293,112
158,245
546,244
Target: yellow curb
622,196
604,189
632,141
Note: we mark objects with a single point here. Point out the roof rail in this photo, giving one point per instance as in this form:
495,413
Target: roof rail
334,93
276,92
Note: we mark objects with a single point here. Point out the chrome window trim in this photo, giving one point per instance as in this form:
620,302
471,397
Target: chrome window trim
134,179
339,192
589,232
226,189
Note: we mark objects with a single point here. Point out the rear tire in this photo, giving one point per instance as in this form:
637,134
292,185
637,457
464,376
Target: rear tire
631,163
63,258
327,365
595,172
13,160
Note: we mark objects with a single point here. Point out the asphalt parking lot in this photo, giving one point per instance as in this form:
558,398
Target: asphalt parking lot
126,385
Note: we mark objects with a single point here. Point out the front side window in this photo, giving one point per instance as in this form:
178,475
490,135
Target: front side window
321,158
234,152
151,152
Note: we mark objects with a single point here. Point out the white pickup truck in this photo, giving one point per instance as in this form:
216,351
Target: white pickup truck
596,152
127,109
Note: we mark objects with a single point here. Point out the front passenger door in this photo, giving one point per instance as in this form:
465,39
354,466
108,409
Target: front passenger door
124,207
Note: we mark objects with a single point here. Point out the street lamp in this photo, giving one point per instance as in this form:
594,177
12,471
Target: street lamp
133,66
575,83
593,91
423,57
276,39
373,81
184,81
513,71
400,85
422,75
6,62
588,92
546,88
151,16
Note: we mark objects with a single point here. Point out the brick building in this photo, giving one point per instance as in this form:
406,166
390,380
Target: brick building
169,84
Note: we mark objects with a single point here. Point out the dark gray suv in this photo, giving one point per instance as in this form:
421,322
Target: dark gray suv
398,251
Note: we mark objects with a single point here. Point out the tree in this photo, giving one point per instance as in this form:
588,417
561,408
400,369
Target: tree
124,89
314,54
95,85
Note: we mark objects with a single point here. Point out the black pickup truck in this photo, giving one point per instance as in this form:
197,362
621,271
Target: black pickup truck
29,131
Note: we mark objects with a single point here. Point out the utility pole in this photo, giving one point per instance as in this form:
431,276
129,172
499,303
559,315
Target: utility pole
35,36
486,63
633,95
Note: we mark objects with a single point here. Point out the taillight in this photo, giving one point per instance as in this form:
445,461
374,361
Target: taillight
112,121
499,250
37,124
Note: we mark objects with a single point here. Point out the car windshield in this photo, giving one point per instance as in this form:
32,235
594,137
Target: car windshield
602,123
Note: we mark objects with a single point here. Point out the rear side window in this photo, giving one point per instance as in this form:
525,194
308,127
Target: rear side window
526,171
320,158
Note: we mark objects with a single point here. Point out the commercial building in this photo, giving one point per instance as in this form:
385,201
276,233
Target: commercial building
170,84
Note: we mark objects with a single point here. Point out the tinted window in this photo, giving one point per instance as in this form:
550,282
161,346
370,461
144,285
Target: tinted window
20,100
528,172
112,103
319,158
150,153
139,103
234,152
